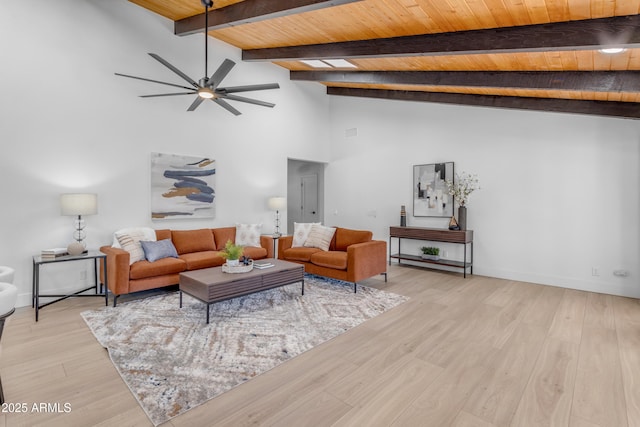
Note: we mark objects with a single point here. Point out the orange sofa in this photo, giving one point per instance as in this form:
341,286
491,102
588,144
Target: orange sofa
352,256
196,249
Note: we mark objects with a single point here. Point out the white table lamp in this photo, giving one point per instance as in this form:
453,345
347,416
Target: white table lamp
78,204
277,204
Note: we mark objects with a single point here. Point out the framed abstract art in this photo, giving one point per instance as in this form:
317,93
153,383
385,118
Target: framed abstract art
430,195
182,186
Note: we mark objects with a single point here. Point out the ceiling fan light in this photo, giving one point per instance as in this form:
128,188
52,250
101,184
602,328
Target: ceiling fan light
205,93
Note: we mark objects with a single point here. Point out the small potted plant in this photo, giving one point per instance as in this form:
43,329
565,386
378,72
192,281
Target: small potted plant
231,253
430,252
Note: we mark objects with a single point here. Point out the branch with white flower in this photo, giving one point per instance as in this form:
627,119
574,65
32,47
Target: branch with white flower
462,187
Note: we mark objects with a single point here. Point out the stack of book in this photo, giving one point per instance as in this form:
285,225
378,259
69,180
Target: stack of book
53,253
262,265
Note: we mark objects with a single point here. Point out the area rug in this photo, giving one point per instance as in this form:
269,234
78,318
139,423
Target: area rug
172,361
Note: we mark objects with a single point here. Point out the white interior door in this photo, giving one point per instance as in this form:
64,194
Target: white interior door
309,206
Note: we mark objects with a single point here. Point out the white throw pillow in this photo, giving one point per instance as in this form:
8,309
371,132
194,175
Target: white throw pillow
130,242
301,231
149,233
320,237
248,234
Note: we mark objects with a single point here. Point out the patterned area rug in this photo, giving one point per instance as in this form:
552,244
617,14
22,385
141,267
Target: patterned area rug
172,361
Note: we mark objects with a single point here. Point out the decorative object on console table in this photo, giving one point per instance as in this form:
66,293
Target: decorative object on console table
462,217
461,189
277,204
430,252
78,204
403,216
430,196
453,224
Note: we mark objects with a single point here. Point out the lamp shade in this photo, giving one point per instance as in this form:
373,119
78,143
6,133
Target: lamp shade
277,203
79,204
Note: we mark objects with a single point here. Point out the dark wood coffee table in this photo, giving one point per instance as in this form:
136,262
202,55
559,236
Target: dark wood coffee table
211,285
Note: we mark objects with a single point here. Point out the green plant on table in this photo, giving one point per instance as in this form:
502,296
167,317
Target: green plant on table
430,250
231,251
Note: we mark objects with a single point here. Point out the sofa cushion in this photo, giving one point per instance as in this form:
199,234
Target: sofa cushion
299,254
320,237
154,251
145,269
330,259
205,259
222,235
301,231
346,237
188,241
130,242
248,234
254,252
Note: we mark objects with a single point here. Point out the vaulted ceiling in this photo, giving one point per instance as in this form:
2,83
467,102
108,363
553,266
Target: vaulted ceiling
525,54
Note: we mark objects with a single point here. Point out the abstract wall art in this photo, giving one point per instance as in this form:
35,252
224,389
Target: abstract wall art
182,186
430,193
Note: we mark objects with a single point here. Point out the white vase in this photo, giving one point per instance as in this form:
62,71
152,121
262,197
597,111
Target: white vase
233,262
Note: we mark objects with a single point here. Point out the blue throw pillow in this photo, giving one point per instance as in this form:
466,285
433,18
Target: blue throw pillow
154,251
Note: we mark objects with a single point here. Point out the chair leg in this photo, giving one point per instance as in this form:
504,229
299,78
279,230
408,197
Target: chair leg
1,392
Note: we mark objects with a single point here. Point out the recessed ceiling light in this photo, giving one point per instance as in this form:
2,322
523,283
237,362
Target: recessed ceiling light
328,63
612,50
316,63
340,63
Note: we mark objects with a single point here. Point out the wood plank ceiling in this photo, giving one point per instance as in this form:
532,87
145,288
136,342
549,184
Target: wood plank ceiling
525,54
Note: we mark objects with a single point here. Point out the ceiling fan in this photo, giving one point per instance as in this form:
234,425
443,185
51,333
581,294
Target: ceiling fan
209,87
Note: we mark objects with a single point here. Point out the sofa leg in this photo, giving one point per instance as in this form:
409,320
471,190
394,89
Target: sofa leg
355,287
385,276
115,300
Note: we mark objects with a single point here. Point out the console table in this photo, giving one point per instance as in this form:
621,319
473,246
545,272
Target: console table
463,237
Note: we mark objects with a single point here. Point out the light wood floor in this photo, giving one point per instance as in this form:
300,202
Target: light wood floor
462,352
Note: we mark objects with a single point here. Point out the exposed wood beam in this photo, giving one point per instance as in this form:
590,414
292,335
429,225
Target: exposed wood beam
599,108
249,11
574,35
597,81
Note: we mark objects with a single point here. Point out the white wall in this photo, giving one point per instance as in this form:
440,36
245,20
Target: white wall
559,191
69,124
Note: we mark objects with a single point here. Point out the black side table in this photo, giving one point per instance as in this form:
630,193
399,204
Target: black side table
96,256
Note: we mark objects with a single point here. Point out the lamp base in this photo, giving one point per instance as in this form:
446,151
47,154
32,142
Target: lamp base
75,248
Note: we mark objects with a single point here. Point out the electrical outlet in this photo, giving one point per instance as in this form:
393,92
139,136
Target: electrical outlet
620,273
595,271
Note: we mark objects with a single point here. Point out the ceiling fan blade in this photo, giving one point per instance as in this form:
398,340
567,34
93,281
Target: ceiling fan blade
168,94
226,105
249,88
152,81
248,100
221,73
174,69
196,103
